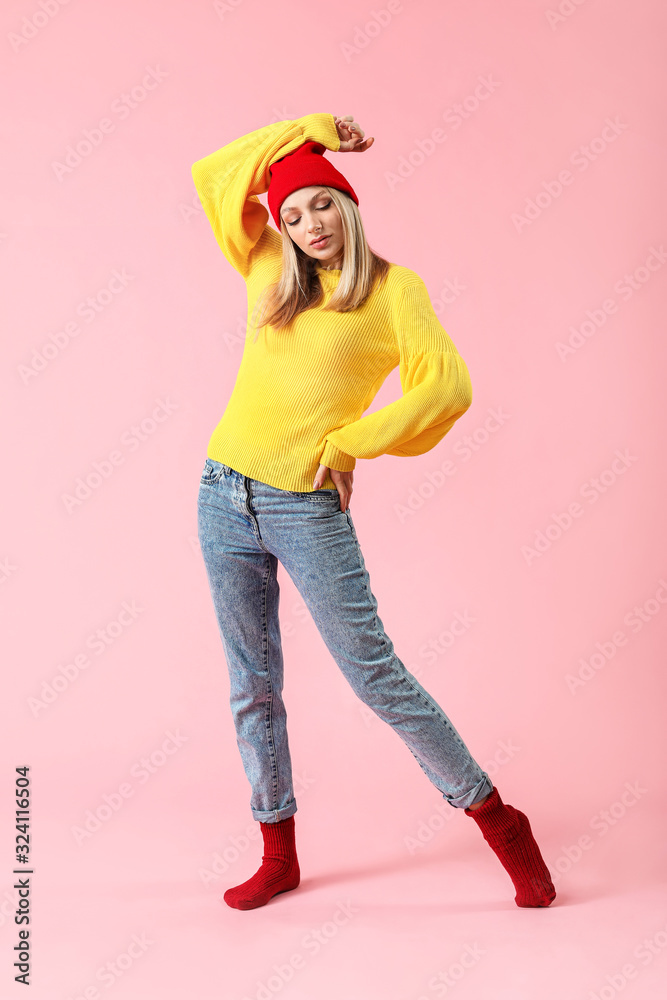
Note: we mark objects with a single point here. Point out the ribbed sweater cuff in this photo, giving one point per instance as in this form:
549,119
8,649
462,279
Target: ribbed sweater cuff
334,458
323,129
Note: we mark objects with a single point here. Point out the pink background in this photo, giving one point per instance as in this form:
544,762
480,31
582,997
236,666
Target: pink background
419,887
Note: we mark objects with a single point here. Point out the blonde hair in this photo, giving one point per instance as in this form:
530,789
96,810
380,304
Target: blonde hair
299,287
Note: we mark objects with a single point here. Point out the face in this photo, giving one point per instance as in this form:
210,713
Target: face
309,213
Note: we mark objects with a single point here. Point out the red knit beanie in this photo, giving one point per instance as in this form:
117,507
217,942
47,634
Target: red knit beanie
304,167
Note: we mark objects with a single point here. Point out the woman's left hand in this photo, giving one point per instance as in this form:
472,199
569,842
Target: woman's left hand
341,480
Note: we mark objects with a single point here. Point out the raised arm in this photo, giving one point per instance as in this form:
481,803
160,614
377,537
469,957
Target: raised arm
229,181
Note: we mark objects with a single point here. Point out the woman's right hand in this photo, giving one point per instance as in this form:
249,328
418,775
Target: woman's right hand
351,135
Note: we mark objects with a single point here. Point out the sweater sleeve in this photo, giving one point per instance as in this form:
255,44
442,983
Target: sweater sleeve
229,180
436,391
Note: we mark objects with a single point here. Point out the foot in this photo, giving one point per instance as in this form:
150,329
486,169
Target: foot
270,878
508,833
278,872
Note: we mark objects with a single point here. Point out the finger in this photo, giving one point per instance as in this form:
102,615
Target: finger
356,132
360,144
320,476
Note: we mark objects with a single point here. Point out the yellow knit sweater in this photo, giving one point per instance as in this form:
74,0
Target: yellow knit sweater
300,394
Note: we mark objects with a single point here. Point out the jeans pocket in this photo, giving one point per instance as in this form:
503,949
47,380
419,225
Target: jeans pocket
317,496
209,474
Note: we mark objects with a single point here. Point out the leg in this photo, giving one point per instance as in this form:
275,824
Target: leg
476,805
244,587
317,544
245,592
324,559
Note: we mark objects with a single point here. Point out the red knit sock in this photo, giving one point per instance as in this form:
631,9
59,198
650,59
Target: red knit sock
507,832
278,872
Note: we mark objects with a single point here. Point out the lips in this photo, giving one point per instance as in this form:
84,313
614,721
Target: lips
320,243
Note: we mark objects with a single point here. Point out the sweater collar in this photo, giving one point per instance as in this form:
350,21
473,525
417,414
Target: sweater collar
328,275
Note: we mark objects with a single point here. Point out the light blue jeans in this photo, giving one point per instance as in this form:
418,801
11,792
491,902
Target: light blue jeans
245,527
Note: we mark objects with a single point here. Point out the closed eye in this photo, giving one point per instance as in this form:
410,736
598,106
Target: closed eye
320,209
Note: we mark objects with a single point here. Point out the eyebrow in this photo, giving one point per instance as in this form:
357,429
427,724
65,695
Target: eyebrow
293,208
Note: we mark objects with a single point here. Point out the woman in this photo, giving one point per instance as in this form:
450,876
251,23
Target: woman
328,319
